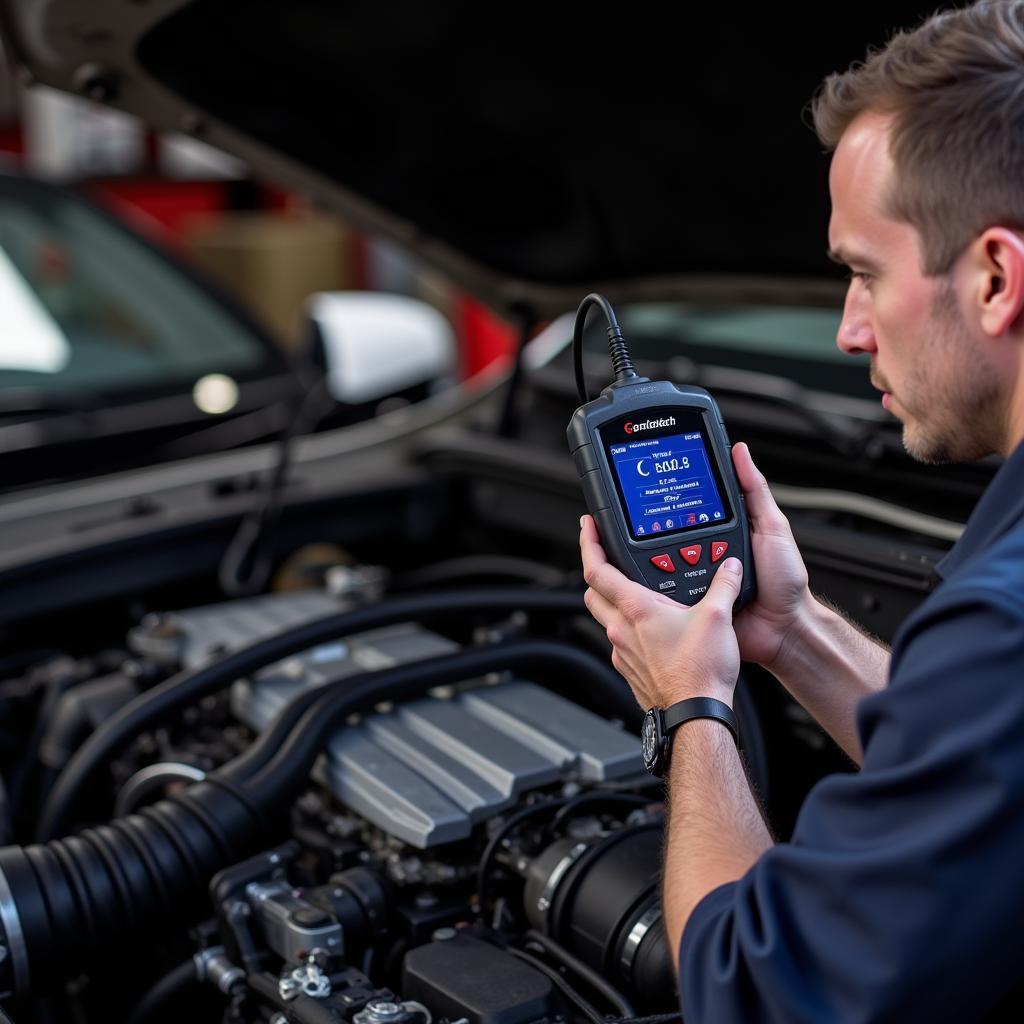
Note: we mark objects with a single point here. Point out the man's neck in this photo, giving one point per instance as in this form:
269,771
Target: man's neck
1014,433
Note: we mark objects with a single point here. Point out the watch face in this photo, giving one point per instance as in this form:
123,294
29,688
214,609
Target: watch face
649,738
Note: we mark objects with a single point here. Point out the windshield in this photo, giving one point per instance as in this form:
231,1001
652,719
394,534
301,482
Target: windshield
90,307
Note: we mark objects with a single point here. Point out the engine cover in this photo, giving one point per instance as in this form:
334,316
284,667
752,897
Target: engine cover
429,770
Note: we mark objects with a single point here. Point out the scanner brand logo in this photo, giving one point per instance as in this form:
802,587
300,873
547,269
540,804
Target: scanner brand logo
635,428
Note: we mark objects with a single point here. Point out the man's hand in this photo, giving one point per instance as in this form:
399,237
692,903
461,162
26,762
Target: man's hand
666,651
783,599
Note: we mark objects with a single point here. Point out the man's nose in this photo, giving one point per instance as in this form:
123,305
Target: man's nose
856,335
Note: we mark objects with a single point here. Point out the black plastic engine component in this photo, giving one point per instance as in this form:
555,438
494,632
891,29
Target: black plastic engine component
340,918
601,901
462,976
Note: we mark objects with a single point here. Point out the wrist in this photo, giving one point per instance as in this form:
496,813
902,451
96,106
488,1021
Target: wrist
794,638
661,724
704,686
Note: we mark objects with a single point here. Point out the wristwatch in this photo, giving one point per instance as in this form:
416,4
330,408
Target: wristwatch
660,723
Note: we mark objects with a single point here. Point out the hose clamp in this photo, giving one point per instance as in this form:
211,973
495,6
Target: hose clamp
556,876
15,936
637,934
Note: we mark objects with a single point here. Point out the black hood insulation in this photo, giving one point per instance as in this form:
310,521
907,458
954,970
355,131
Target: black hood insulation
557,150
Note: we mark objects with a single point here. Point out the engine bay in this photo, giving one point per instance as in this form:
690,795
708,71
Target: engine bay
325,805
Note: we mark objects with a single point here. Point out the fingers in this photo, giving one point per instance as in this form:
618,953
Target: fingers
591,551
764,512
598,572
725,587
601,608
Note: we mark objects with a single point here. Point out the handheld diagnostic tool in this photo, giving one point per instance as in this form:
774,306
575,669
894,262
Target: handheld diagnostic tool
656,469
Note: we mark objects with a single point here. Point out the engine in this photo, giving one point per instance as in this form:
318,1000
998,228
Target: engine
399,824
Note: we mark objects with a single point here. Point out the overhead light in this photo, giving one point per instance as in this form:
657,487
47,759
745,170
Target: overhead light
216,393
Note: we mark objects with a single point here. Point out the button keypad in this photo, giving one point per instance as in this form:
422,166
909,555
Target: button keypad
691,554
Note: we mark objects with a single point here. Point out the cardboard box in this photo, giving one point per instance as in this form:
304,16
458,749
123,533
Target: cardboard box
273,261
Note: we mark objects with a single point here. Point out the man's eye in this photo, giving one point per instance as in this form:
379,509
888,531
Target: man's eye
859,275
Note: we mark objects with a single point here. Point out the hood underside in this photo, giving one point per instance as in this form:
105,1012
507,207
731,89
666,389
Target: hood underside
530,155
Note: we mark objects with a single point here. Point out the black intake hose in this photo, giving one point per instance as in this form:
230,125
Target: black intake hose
67,901
601,901
187,688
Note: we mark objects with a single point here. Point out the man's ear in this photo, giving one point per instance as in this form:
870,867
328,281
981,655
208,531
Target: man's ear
996,260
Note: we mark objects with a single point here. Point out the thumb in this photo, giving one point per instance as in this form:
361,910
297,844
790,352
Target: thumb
725,587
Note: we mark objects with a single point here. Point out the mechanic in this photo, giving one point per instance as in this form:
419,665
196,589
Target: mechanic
899,895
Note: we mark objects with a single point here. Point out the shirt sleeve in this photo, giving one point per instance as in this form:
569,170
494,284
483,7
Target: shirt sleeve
899,896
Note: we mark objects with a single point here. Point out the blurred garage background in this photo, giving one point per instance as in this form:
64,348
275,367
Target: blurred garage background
265,245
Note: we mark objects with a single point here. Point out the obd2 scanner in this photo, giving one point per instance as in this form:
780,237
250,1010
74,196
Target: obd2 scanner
655,465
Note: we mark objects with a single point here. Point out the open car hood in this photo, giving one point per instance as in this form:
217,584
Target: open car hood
530,156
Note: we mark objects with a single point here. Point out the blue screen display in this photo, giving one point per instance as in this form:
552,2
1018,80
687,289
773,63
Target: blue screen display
667,483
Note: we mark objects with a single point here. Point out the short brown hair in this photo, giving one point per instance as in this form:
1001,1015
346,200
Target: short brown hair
955,89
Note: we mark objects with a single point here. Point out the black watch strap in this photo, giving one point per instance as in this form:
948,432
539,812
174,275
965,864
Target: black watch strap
700,707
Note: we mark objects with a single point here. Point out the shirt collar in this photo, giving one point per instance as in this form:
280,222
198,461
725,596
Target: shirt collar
1001,507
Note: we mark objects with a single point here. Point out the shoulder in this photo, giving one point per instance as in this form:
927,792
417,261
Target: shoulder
957,663
993,579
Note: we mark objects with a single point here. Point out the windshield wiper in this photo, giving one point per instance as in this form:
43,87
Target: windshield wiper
843,434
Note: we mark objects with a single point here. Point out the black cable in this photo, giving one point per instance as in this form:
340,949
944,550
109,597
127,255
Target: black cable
247,764
167,988
248,559
622,364
499,837
508,424
752,744
188,687
30,761
597,797
583,971
476,566
293,760
566,989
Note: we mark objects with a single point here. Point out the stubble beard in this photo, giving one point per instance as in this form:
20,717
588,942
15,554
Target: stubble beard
952,395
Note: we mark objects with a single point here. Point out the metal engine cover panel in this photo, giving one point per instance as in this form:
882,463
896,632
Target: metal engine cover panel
195,635
257,701
593,748
433,768
369,779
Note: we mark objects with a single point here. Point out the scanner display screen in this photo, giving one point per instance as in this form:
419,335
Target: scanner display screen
667,479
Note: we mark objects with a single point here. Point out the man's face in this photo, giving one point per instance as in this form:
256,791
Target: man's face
934,378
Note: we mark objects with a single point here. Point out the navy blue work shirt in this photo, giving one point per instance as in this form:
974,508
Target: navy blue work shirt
900,896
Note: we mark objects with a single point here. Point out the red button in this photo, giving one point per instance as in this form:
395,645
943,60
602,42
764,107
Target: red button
663,562
691,555
718,550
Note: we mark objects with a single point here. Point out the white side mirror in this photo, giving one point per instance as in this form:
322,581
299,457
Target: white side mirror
376,345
